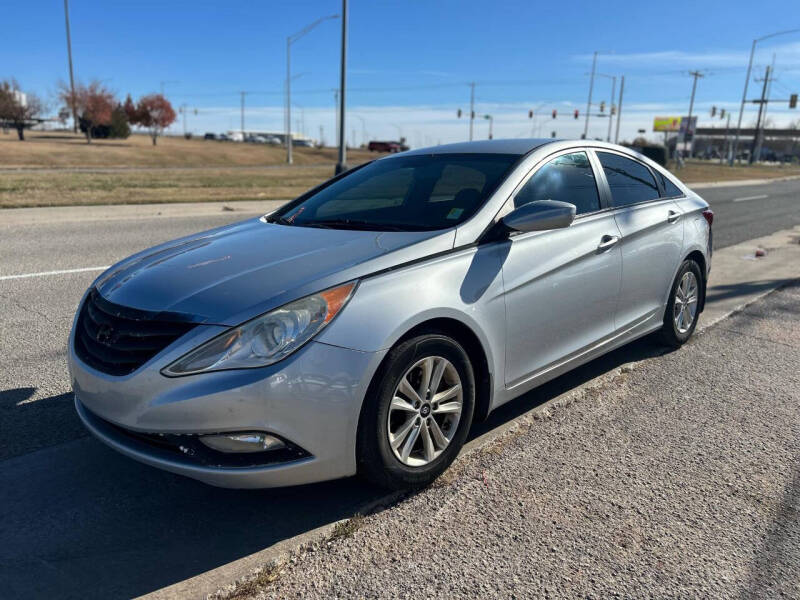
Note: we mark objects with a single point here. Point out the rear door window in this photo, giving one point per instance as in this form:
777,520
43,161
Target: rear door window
630,181
670,189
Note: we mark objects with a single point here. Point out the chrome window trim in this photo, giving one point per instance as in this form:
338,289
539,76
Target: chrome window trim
507,206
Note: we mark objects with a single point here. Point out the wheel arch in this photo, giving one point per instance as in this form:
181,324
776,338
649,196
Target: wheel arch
469,340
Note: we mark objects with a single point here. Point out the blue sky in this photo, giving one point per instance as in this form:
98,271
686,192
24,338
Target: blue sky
410,61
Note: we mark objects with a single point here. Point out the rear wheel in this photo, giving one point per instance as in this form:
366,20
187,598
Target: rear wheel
418,414
680,318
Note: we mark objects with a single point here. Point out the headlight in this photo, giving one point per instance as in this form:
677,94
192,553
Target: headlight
266,339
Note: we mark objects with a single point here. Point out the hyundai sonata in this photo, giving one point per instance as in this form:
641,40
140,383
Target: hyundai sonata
364,326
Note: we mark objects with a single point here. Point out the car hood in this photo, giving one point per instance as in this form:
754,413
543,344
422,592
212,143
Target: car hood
230,274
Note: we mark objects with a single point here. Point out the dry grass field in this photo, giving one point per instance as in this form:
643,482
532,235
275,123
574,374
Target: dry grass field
702,171
61,169
52,149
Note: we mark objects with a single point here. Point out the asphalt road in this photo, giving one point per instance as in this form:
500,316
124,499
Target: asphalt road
746,212
79,520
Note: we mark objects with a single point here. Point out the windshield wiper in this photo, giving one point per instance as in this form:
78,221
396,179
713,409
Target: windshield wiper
355,224
280,220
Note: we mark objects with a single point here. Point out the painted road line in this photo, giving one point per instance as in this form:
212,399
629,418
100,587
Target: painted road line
746,198
46,273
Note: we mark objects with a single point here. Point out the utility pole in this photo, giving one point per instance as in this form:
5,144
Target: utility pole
184,107
289,41
242,121
342,164
71,77
755,145
321,137
766,105
589,103
471,107
611,108
747,80
619,108
697,75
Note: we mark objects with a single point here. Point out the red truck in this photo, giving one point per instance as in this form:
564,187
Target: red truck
385,147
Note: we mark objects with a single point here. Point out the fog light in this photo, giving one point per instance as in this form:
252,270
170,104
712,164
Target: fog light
243,442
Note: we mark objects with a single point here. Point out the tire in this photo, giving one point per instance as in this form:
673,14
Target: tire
402,467
676,332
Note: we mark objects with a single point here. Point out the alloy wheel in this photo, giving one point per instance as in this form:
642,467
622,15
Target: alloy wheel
685,305
425,411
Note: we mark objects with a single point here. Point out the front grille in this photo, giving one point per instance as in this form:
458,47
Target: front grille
118,340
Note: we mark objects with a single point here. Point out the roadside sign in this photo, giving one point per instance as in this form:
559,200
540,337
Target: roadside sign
672,124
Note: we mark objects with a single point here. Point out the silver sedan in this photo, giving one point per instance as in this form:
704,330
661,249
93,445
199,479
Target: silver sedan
363,327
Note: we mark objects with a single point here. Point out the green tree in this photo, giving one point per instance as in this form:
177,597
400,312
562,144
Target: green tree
119,128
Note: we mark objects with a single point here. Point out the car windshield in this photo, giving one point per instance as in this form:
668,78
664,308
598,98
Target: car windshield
403,193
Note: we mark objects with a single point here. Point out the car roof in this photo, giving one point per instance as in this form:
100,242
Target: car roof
511,146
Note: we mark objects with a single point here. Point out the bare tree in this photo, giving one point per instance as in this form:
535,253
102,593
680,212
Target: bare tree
18,109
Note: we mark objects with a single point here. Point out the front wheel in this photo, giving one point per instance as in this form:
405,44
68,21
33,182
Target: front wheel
680,318
418,414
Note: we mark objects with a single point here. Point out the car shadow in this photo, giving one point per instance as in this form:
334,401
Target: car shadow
81,521
724,292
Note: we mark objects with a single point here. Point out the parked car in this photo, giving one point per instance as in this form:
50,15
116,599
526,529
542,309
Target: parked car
375,146
210,136
363,327
223,138
302,143
273,141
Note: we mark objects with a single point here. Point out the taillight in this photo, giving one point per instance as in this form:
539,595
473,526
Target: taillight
709,216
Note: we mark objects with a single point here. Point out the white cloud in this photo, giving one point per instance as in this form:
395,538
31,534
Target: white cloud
787,54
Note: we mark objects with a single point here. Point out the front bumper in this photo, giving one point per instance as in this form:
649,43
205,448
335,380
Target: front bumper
312,399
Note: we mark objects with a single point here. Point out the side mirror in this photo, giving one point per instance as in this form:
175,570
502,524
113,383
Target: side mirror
540,215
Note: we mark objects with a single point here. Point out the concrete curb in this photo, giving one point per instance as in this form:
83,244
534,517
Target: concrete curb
738,279
739,183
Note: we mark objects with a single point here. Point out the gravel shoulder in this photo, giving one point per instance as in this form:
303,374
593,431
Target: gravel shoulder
677,477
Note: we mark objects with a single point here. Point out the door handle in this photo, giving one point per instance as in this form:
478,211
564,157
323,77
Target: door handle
607,241
673,216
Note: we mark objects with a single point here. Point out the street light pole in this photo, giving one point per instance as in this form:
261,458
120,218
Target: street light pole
342,164
746,81
589,103
491,122
71,77
242,115
289,41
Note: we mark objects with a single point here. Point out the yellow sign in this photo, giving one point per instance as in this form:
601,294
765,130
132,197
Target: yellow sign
667,124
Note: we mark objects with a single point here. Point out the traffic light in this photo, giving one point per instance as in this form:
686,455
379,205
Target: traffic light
552,134
576,113
613,110
602,106
530,114
721,113
459,113
713,111
472,114
555,113
793,101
